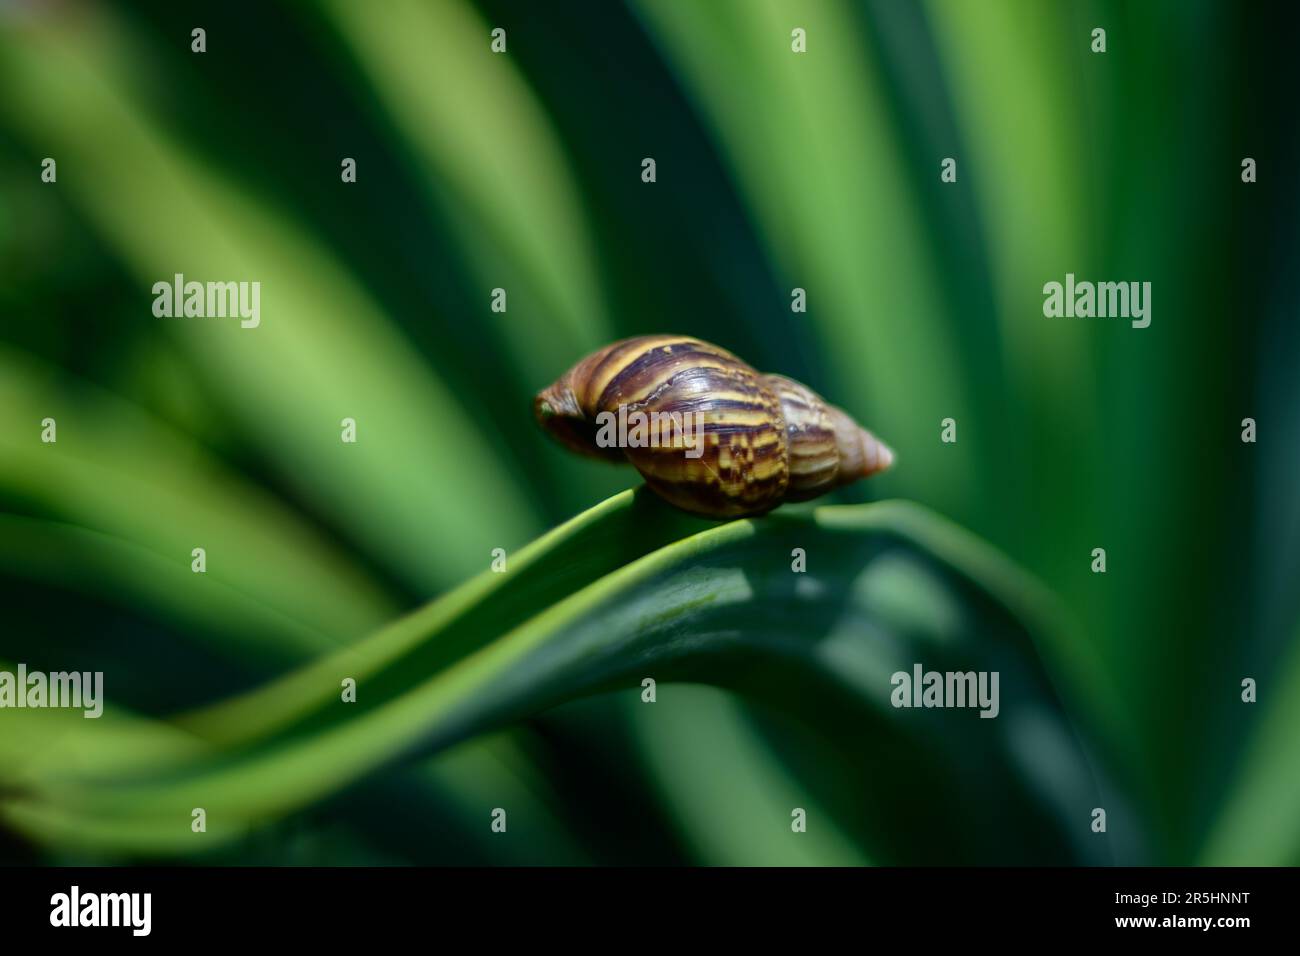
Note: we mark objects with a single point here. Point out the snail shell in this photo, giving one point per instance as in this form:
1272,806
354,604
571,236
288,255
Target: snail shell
760,440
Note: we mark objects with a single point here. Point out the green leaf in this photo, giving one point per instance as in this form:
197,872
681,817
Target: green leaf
593,544
491,155
887,586
117,504
1258,825
421,473
729,793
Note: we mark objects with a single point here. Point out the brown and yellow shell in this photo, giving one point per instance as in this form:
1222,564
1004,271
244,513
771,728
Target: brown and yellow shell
762,439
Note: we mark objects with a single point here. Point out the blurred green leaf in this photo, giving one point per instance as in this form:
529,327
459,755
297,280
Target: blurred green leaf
117,504
492,158
420,474
730,795
1259,824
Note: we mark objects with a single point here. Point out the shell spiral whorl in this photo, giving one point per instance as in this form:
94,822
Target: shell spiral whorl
728,442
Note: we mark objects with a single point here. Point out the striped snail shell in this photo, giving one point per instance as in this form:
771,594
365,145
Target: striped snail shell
729,442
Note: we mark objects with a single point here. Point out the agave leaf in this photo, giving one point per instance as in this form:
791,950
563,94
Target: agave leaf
593,544
887,585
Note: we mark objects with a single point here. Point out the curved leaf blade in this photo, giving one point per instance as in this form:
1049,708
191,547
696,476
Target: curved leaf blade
888,585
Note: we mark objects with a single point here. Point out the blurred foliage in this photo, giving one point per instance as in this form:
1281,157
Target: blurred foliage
521,171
